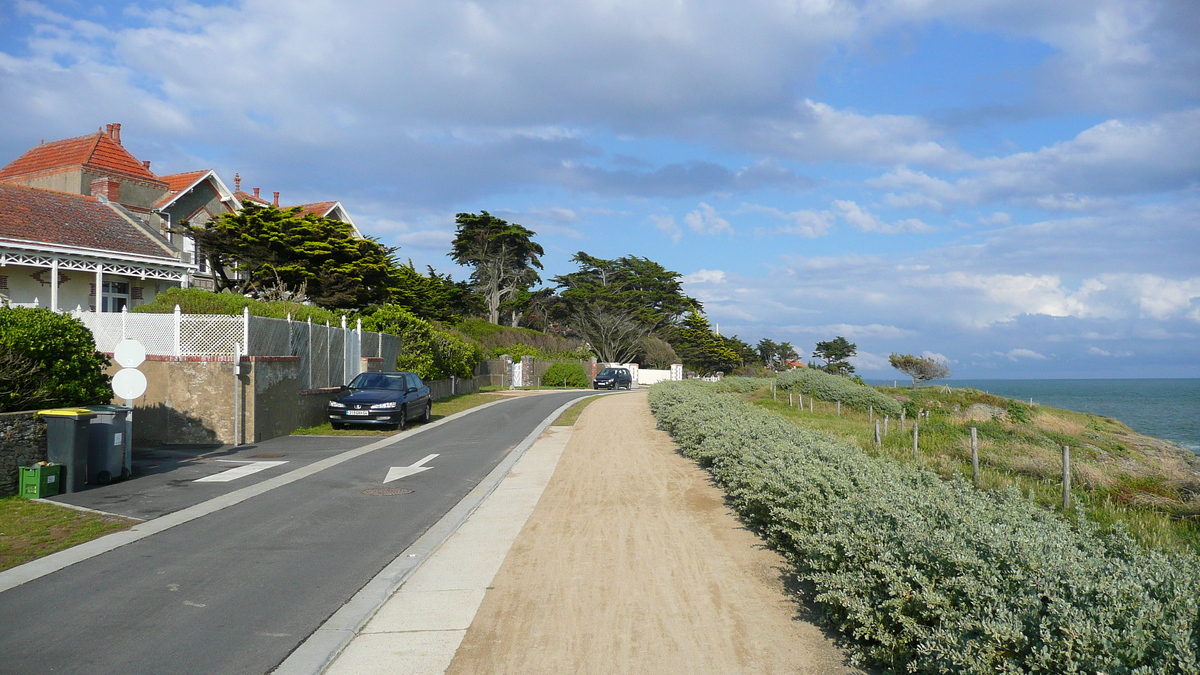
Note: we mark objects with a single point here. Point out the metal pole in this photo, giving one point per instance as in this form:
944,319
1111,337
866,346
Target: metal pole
129,436
237,385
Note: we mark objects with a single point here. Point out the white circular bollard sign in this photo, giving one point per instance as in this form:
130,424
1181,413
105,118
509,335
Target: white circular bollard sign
129,354
129,383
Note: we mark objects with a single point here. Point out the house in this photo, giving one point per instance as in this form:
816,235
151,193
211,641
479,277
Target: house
86,204
83,216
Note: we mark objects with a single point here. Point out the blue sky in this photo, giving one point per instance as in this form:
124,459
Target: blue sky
1009,184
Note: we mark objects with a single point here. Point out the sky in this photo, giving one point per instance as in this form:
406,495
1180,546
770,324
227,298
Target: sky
1009,185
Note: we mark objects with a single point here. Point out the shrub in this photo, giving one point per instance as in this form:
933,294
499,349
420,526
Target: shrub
568,374
431,353
927,576
516,351
200,301
500,340
49,359
828,387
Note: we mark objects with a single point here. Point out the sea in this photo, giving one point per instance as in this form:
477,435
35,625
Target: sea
1163,408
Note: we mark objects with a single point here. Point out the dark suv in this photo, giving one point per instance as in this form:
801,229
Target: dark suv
381,399
613,378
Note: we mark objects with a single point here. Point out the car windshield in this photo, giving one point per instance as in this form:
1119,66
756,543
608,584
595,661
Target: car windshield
609,372
379,381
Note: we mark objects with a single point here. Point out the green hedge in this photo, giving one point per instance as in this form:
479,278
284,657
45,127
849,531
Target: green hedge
431,353
572,374
48,360
921,575
200,301
829,387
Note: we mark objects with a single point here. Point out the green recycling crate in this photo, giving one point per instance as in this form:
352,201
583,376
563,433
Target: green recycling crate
41,480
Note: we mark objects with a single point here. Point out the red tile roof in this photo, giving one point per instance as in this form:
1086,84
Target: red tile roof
247,197
58,218
320,209
95,151
182,181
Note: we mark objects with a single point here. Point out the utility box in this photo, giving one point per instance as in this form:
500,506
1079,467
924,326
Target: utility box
67,443
41,480
106,444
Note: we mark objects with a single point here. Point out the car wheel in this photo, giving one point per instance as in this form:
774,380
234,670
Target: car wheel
428,412
403,418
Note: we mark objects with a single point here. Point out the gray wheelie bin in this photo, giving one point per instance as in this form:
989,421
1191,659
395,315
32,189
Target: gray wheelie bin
106,444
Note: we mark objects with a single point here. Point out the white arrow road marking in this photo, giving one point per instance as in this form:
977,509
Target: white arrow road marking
397,472
246,469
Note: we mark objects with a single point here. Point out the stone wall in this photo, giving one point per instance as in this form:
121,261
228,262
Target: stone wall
22,443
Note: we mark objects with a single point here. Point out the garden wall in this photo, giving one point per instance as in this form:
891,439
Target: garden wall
22,443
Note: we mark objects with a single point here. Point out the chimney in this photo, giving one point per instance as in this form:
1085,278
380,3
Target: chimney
146,163
108,130
116,133
276,199
106,189
256,194
237,182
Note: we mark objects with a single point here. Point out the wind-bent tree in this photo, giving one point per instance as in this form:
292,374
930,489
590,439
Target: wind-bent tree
503,255
617,304
776,355
835,353
640,288
920,368
279,254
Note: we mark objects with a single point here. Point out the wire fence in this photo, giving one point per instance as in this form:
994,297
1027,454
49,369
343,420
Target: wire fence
329,355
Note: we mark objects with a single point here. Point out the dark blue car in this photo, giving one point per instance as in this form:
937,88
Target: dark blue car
381,399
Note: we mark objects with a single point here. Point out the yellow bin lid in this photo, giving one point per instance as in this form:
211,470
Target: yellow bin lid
67,412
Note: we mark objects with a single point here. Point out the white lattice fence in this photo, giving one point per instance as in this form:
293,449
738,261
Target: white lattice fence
206,335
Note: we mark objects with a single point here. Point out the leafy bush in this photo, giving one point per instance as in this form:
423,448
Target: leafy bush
431,353
567,374
1018,412
49,359
828,387
921,575
200,301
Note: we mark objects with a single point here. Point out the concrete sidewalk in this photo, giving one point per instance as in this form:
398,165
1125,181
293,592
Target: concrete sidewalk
419,628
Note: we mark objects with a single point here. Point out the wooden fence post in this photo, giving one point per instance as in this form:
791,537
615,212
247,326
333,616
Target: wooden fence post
1066,477
885,423
871,413
878,438
915,425
839,408
975,455
902,411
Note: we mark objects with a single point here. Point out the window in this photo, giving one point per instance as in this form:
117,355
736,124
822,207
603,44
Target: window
116,296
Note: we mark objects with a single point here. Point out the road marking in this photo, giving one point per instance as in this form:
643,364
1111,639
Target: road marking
398,472
246,469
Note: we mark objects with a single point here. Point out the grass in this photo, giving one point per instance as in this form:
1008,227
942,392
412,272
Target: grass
442,408
1119,477
571,415
31,529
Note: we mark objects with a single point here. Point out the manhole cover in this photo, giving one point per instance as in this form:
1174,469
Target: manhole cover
385,491
265,456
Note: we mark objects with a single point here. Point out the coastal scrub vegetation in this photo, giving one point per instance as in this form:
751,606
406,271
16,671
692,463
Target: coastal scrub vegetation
920,573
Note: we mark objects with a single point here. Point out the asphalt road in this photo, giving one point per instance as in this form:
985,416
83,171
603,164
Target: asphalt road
235,591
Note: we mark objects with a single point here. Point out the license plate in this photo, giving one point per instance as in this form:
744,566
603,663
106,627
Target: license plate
358,413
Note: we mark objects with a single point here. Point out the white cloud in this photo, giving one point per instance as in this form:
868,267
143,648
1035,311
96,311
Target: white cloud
1018,354
866,221
668,226
706,221
806,223
1096,351
870,362
705,277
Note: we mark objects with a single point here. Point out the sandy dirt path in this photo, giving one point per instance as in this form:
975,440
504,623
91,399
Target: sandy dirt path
632,563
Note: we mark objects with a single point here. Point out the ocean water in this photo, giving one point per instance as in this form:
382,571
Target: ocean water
1166,408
